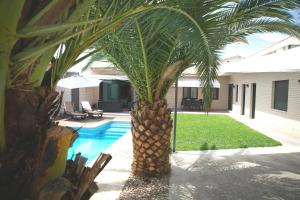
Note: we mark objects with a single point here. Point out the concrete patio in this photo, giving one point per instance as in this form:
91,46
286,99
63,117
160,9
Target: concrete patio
252,173
249,177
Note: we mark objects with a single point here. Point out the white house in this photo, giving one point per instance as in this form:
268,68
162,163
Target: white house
264,86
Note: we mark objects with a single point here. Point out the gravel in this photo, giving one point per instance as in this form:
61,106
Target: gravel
145,188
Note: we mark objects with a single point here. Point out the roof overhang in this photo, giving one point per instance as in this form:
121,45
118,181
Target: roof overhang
193,82
109,77
285,61
74,82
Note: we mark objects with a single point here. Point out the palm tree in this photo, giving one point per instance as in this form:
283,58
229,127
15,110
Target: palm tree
154,48
32,147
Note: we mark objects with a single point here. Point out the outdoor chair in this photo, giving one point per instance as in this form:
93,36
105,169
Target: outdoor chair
198,104
69,111
86,107
185,104
201,104
193,104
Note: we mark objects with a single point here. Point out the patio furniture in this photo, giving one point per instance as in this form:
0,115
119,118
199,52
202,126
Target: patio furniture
186,104
192,104
201,104
197,104
86,107
69,111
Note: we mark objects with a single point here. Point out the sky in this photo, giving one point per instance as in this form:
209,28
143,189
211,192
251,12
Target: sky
256,42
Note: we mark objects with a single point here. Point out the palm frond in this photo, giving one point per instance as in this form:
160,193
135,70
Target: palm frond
193,31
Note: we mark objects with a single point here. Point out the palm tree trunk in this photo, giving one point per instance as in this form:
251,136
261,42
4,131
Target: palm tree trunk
36,147
151,127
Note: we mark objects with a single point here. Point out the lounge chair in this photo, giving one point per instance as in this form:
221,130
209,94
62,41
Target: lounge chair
86,107
69,110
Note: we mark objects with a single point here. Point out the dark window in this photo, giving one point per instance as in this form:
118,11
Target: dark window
186,92
190,93
237,93
68,74
110,91
215,94
194,93
281,90
292,46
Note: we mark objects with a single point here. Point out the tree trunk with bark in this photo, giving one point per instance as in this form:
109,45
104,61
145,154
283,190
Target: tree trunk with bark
36,146
34,166
151,128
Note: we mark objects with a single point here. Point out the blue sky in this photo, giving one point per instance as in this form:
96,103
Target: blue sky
256,42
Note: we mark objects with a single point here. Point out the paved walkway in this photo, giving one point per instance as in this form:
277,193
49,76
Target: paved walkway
286,138
249,177
114,176
252,173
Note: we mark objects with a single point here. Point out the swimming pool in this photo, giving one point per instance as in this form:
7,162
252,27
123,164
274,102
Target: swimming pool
92,141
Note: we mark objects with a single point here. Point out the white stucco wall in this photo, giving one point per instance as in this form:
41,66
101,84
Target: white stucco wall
171,97
66,96
222,103
90,94
287,121
85,94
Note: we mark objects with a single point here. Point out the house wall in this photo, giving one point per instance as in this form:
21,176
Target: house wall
85,94
171,97
220,104
90,94
67,93
67,96
288,121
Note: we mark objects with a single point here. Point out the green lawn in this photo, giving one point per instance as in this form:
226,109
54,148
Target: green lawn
203,132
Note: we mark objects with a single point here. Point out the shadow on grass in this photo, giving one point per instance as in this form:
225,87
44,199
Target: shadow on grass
243,146
206,146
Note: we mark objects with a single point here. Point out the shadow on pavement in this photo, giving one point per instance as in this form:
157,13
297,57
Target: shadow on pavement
250,177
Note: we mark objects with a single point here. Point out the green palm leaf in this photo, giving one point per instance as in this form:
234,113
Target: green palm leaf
191,31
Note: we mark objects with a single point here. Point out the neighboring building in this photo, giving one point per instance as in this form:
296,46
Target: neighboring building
264,86
283,45
232,59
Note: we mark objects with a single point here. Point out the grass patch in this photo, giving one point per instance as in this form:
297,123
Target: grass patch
205,132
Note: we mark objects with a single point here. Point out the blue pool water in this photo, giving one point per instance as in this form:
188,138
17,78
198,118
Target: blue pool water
92,141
